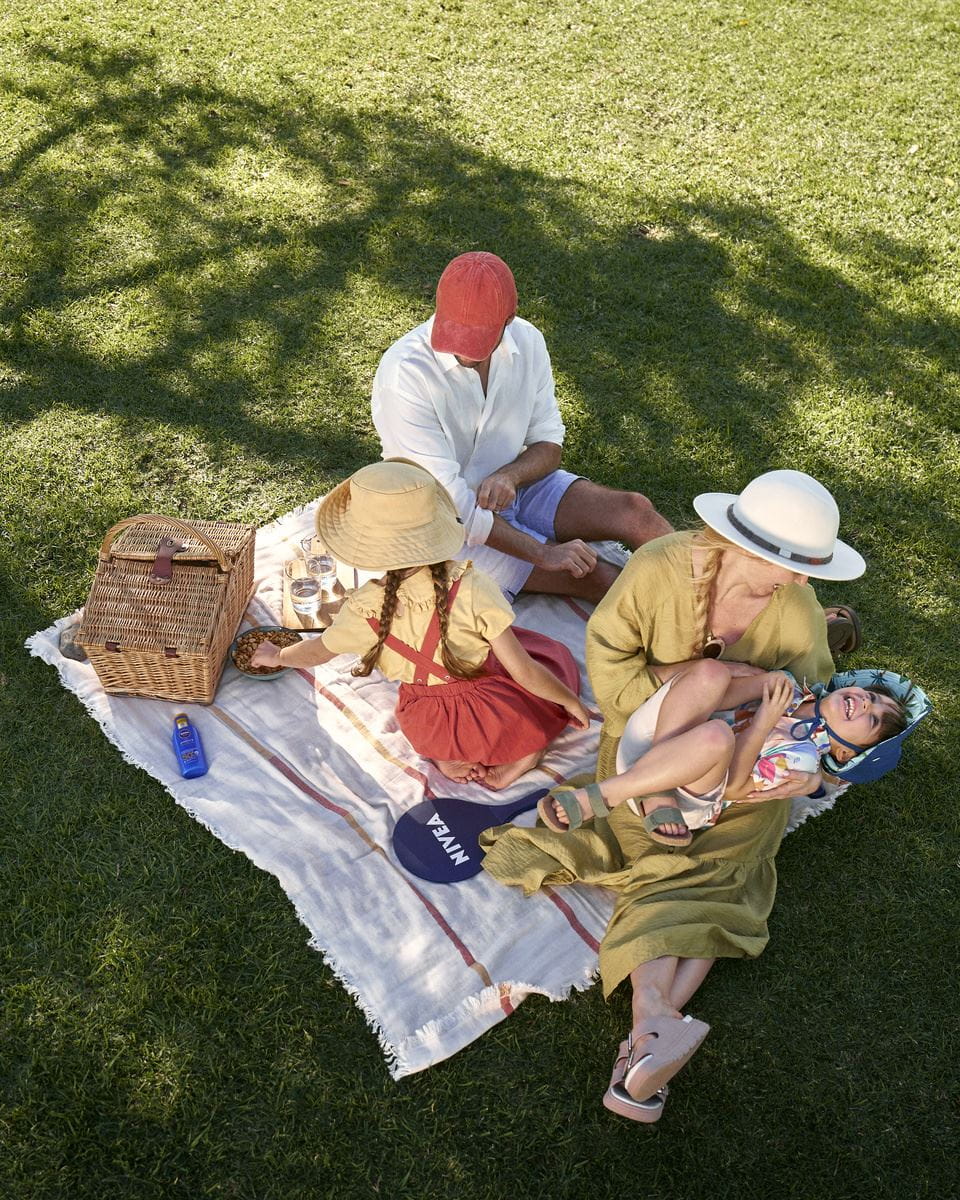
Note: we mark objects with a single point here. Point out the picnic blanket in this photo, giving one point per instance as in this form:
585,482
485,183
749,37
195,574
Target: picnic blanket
308,775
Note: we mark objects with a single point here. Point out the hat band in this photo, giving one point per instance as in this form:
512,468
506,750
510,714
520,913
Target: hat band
779,551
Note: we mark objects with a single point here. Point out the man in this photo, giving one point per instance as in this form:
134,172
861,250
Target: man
469,396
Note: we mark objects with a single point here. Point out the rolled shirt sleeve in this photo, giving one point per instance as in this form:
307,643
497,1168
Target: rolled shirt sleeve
546,424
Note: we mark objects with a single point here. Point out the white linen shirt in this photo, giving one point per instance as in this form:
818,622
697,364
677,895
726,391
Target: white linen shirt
428,408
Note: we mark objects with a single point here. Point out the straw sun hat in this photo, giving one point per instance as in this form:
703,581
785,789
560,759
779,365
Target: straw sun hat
390,516
787,518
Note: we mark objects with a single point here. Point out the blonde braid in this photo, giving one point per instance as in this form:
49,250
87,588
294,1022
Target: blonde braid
713,544
390,588
455,666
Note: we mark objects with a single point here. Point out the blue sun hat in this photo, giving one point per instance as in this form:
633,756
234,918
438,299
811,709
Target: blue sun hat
875,761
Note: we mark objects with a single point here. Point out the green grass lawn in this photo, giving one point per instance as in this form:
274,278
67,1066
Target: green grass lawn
737,226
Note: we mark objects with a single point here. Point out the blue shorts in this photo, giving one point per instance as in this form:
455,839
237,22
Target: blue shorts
532,512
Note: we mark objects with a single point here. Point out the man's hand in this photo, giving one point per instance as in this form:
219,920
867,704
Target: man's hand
496,492
576,557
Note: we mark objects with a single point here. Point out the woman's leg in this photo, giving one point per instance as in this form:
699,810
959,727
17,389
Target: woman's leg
660,989
653,983
690,973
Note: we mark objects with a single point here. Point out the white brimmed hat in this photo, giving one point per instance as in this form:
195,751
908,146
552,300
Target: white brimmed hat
787,518
390,516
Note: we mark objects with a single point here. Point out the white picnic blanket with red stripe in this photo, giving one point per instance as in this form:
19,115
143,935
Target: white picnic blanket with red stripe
308,775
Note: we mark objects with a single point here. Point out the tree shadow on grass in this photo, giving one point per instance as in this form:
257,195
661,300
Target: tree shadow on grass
186,255
183,256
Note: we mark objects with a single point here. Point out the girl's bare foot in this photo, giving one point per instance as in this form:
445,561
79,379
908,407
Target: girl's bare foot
462,772
503,774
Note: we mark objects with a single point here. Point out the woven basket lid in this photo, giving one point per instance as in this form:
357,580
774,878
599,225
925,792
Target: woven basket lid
140,541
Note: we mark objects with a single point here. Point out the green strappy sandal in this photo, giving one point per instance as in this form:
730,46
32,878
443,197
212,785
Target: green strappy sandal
566,797
667,816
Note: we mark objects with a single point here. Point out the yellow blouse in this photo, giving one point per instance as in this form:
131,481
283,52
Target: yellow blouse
480,613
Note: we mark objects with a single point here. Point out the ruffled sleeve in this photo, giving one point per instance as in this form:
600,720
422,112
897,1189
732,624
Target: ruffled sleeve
492,613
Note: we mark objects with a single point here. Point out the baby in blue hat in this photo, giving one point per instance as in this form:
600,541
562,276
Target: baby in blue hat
717,733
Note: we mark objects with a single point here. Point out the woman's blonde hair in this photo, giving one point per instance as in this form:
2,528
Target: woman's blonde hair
714,545
455,666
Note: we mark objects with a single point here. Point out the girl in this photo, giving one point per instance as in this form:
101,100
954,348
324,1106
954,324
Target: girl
481,700
707,766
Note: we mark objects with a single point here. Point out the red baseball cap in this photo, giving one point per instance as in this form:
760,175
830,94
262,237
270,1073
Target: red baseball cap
476,296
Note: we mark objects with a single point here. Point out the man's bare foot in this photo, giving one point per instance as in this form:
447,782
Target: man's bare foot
462,772
503,774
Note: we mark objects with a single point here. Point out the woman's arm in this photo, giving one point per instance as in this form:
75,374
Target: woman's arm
536,678
616,645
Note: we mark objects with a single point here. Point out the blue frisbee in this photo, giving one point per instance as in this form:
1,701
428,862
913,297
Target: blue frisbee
438,839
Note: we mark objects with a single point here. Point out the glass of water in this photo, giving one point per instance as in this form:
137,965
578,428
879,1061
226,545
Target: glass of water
304,587
321,566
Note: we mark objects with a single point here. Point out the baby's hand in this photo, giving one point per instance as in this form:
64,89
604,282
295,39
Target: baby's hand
777,696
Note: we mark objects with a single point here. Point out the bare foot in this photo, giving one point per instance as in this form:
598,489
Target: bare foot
462,772
503,774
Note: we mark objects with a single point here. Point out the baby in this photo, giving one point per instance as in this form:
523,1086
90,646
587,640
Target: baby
704,763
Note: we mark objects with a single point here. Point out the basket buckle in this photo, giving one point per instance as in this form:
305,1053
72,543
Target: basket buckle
163,563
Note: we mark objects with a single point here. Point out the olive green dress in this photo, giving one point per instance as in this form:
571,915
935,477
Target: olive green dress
712,898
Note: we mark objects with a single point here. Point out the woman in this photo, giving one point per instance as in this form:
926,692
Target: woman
737,590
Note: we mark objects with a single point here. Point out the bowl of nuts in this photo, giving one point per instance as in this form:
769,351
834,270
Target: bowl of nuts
245,644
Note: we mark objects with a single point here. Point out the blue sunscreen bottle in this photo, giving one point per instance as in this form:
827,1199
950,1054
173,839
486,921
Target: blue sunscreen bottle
188,748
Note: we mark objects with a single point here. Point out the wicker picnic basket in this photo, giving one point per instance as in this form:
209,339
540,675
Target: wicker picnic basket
165,604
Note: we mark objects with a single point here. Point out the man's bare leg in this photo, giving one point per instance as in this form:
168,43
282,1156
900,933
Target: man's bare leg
596,513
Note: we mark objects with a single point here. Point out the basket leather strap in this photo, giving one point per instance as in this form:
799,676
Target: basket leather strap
163,564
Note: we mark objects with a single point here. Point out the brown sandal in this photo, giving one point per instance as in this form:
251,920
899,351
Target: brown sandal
844,634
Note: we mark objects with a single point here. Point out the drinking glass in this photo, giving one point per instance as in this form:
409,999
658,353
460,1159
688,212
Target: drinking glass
304,587
321,566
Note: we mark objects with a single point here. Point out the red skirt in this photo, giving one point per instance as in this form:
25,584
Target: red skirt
490,719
